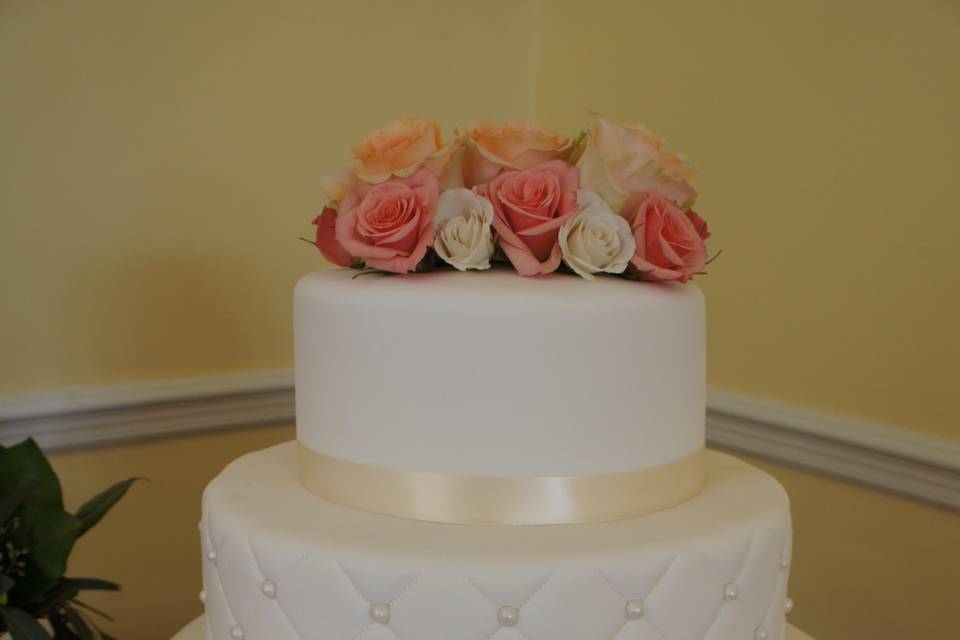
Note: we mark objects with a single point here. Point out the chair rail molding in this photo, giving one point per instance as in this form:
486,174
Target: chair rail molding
907,463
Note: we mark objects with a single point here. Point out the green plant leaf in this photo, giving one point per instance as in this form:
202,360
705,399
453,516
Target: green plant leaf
92,609
62,591
48,533
22,625
10,502
91,511
93,584
78,624
24,462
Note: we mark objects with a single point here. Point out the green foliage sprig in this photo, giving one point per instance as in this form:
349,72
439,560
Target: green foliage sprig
36,537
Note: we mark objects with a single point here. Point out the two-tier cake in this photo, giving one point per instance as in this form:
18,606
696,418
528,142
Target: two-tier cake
483,455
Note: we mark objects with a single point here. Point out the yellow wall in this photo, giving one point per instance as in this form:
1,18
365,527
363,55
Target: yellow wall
825,134
158,161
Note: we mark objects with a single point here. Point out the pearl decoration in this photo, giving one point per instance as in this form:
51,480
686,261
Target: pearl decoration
788,605
380,612
269,588
236,632
784,561
508,616
730,591
634,609
212,556
760,633
203,596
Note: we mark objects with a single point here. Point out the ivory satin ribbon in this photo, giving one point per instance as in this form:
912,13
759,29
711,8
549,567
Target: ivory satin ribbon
506,500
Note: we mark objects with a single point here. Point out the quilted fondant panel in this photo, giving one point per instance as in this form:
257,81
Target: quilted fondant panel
279,563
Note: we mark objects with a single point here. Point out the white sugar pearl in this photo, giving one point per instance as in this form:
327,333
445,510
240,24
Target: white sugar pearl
236,632
211,556
380,612
788,605
203,596
634,609
508,616
760,633
730,591
269,588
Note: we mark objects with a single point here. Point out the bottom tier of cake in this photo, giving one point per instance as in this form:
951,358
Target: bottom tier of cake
281,563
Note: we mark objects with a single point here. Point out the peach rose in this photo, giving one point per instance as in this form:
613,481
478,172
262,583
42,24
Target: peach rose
669,241
529,207
621,161
389,225
490,149
399,149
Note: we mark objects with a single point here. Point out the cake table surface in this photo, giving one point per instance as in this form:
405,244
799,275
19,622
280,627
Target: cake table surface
194,631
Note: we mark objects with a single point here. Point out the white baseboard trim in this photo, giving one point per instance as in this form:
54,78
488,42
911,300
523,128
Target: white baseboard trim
903,462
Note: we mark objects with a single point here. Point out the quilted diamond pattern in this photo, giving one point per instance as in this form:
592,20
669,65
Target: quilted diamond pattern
322,594
325,591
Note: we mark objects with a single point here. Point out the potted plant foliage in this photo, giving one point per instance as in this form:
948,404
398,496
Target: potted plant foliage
36,537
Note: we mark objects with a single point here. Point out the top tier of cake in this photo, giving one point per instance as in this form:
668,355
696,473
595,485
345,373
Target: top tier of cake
493,374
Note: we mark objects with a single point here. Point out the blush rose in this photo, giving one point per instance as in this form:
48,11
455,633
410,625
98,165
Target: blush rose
529,207
621,161
389,225
669,241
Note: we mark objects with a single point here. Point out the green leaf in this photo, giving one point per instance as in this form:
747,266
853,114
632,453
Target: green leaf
577,147
61,628
23,462
96,507
78,624
62,591
22,625
12,501
48,533
92,609
93,584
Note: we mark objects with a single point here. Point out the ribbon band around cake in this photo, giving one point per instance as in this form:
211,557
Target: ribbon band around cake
501,500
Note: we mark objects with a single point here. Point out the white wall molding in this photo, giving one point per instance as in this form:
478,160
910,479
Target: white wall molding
94,416
907,463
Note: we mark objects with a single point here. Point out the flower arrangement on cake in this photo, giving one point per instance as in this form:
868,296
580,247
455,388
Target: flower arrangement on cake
611,200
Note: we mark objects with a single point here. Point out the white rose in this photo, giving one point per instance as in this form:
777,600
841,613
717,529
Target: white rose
596,239
463,239
620,161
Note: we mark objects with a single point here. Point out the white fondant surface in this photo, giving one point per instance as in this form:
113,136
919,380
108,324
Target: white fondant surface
332,564
489,373
197,630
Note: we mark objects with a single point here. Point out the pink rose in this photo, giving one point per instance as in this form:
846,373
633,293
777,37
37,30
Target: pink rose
669,242
400,149
389,225
699,224
490,149
327,240
529,207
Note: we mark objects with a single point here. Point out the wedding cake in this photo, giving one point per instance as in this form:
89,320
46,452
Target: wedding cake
482,455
